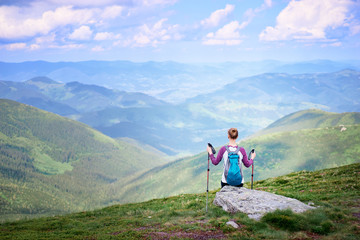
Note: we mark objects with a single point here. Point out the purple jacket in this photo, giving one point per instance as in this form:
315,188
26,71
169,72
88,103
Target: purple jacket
223,154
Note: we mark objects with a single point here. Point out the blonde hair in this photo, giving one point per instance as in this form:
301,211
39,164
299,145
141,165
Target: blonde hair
233,133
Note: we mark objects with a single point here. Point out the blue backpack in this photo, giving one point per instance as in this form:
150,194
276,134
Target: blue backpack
233,173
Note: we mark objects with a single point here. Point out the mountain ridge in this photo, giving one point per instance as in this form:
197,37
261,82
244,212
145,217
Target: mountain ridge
249,104
307,119
51,164
278,152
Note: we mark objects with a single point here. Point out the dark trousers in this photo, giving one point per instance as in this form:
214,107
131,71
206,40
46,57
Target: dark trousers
225,184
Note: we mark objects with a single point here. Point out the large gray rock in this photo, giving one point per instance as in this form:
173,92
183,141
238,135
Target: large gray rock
255,203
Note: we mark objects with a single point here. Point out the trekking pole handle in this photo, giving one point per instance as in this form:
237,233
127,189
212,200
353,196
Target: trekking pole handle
252,151
212,148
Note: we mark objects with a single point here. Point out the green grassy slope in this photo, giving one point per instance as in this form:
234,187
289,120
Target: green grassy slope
335,191
277,154
312,118
50,164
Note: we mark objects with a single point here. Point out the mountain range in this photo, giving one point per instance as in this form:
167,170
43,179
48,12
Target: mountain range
249,103
52,165
169,81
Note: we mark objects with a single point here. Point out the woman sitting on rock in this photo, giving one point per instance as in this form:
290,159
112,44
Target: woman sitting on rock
233,155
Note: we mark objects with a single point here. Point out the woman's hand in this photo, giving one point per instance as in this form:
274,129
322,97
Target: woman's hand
253,155
209,149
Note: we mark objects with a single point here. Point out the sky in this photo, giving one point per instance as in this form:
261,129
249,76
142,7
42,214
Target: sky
188,31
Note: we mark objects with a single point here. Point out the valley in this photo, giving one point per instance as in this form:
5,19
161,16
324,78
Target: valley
55,165
248,103
74,144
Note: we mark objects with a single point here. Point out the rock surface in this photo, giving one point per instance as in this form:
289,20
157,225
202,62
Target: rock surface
255,203
233,224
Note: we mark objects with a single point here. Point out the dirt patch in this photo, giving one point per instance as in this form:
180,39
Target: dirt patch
313,235
116,233
197,221
357,215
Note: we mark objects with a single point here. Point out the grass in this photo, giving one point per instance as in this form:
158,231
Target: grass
45,164
335,191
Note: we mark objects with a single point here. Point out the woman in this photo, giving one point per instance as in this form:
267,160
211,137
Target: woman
224,154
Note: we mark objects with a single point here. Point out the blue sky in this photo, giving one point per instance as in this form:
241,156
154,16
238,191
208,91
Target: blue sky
179,30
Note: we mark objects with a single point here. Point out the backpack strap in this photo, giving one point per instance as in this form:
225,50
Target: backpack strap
236,151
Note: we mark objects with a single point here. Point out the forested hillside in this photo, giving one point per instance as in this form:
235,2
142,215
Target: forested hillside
50,164
334,144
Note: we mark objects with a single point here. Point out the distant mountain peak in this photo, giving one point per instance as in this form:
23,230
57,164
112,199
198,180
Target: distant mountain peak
42,79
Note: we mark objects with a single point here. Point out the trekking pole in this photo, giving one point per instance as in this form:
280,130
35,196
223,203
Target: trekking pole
208,173
252,176
207,188
252,171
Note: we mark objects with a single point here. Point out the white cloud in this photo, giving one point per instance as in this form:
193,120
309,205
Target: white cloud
68,46
15,46
308,20
112,12
268,3
82,33
251,13
45,39
227,35
85,2
218,16
156,34
148,3
354,28
102,36
335,44
97,49
35,46
50,23
16,22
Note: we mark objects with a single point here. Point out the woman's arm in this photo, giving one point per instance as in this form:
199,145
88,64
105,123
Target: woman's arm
218,158
247,162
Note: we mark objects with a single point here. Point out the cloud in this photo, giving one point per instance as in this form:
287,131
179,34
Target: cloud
82,33
68,46
102,36
335,44
97,49
155,34
251,13
268,3
309,20
227,35
45,39
16,23
35,47
218,16
148,3
15,46
112,12
87,3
